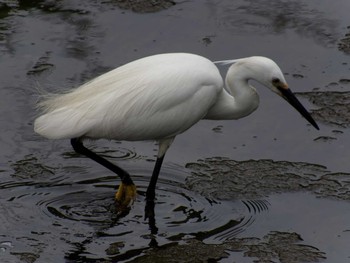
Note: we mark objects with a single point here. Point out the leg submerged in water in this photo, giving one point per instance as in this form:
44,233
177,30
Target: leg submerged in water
163,147
127,190
151,190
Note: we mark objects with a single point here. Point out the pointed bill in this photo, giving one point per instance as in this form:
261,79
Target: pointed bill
288,95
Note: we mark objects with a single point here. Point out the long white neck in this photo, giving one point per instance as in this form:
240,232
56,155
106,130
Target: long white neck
240,100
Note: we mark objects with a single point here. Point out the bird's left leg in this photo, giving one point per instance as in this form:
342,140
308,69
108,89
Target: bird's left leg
127,190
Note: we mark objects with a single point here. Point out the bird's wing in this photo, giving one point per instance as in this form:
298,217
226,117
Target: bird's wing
145,99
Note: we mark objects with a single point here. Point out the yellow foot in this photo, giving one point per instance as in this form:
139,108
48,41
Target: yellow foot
125,195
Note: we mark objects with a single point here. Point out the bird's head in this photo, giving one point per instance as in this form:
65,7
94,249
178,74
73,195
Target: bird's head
267,72
270,75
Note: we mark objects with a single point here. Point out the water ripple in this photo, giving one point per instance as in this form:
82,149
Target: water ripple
78,206
117,154
70,205
180,212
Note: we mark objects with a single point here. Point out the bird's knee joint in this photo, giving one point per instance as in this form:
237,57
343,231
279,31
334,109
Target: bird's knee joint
77,145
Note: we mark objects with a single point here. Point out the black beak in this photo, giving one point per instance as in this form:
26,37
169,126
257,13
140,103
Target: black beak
288,95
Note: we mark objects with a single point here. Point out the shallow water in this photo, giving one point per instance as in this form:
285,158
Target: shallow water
265,188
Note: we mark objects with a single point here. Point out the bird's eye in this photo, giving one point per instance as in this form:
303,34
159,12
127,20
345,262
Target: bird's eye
276,81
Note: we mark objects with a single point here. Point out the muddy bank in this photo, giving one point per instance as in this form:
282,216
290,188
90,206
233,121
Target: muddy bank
274,247
222,178
332,107
344,43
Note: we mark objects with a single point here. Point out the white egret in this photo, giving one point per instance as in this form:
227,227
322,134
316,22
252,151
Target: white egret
157,98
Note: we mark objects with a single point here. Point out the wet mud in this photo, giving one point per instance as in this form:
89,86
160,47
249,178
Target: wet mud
274,247
332,107
344,43
227,179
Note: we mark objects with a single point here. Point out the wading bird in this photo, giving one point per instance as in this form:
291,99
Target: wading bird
157,98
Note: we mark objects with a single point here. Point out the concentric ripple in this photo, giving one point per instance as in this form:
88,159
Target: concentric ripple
78,206
118,153
178,210
75,207
87,206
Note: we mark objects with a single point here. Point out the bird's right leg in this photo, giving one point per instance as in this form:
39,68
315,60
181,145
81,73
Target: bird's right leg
150,193
127,190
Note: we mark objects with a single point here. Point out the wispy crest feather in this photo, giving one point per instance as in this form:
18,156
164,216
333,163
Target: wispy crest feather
226,62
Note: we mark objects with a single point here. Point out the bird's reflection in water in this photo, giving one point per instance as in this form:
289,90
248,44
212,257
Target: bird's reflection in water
150,216
120,212
210,222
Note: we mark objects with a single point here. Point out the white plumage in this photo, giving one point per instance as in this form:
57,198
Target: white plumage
148,99
159,97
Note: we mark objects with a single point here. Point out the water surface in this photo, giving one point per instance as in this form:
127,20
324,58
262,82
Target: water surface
265,188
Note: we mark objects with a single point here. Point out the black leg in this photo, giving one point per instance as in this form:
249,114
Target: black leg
150,215
150,194
80,148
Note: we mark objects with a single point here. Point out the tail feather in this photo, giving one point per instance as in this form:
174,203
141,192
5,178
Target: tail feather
60,124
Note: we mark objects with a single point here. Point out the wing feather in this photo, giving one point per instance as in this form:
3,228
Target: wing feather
151,98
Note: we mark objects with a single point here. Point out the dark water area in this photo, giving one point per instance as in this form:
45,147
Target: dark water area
266,188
